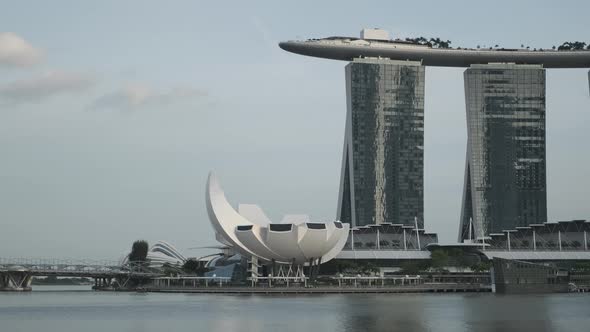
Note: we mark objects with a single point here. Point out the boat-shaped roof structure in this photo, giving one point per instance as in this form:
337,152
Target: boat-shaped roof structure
349,48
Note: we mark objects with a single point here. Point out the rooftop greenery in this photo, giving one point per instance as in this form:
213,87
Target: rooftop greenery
577,45
432,42
439,43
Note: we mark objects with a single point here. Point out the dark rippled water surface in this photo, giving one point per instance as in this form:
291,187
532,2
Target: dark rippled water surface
77,309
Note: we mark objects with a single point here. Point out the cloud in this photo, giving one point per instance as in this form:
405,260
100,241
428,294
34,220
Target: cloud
40,88
137,96
17,52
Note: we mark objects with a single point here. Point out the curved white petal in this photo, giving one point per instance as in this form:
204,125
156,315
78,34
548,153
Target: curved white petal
253,213
223,217
340,237
284,240
313,243
252,236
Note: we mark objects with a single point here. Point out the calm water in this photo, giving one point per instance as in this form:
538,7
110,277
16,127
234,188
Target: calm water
69,309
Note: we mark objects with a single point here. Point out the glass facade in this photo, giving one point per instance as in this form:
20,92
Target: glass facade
505,175
383,160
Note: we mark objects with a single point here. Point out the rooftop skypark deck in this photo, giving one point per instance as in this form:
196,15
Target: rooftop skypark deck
348,48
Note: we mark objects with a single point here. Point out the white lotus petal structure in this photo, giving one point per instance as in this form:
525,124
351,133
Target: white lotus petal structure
295,240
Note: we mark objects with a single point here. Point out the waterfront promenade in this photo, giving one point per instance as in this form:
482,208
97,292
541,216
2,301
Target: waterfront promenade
423,288
325,285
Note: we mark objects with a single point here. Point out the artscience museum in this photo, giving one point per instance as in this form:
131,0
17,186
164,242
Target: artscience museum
279,248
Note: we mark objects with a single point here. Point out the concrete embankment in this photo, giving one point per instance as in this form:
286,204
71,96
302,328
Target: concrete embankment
326,290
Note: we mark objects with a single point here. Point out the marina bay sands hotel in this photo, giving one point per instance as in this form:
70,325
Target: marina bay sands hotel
382,179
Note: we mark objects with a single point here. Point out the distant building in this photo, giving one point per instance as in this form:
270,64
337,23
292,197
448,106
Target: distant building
513,276
389,237
374,34
505,173
383,159
551,236
382,164
375,43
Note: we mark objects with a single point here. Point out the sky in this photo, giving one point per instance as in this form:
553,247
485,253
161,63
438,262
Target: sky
112,113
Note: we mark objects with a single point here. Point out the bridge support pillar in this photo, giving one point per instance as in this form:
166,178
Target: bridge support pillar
103,282
15,281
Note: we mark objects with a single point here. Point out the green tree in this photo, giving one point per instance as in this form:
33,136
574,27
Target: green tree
582,266
481,267
139,251
439,259
368,268
410,267
568,46
462,260
578,45
194,266
346,266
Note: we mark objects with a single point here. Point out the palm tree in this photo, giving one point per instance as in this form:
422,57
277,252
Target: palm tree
565,46
577,45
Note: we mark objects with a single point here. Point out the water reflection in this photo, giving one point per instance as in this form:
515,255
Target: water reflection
383,313
106,311
449,312
506,313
